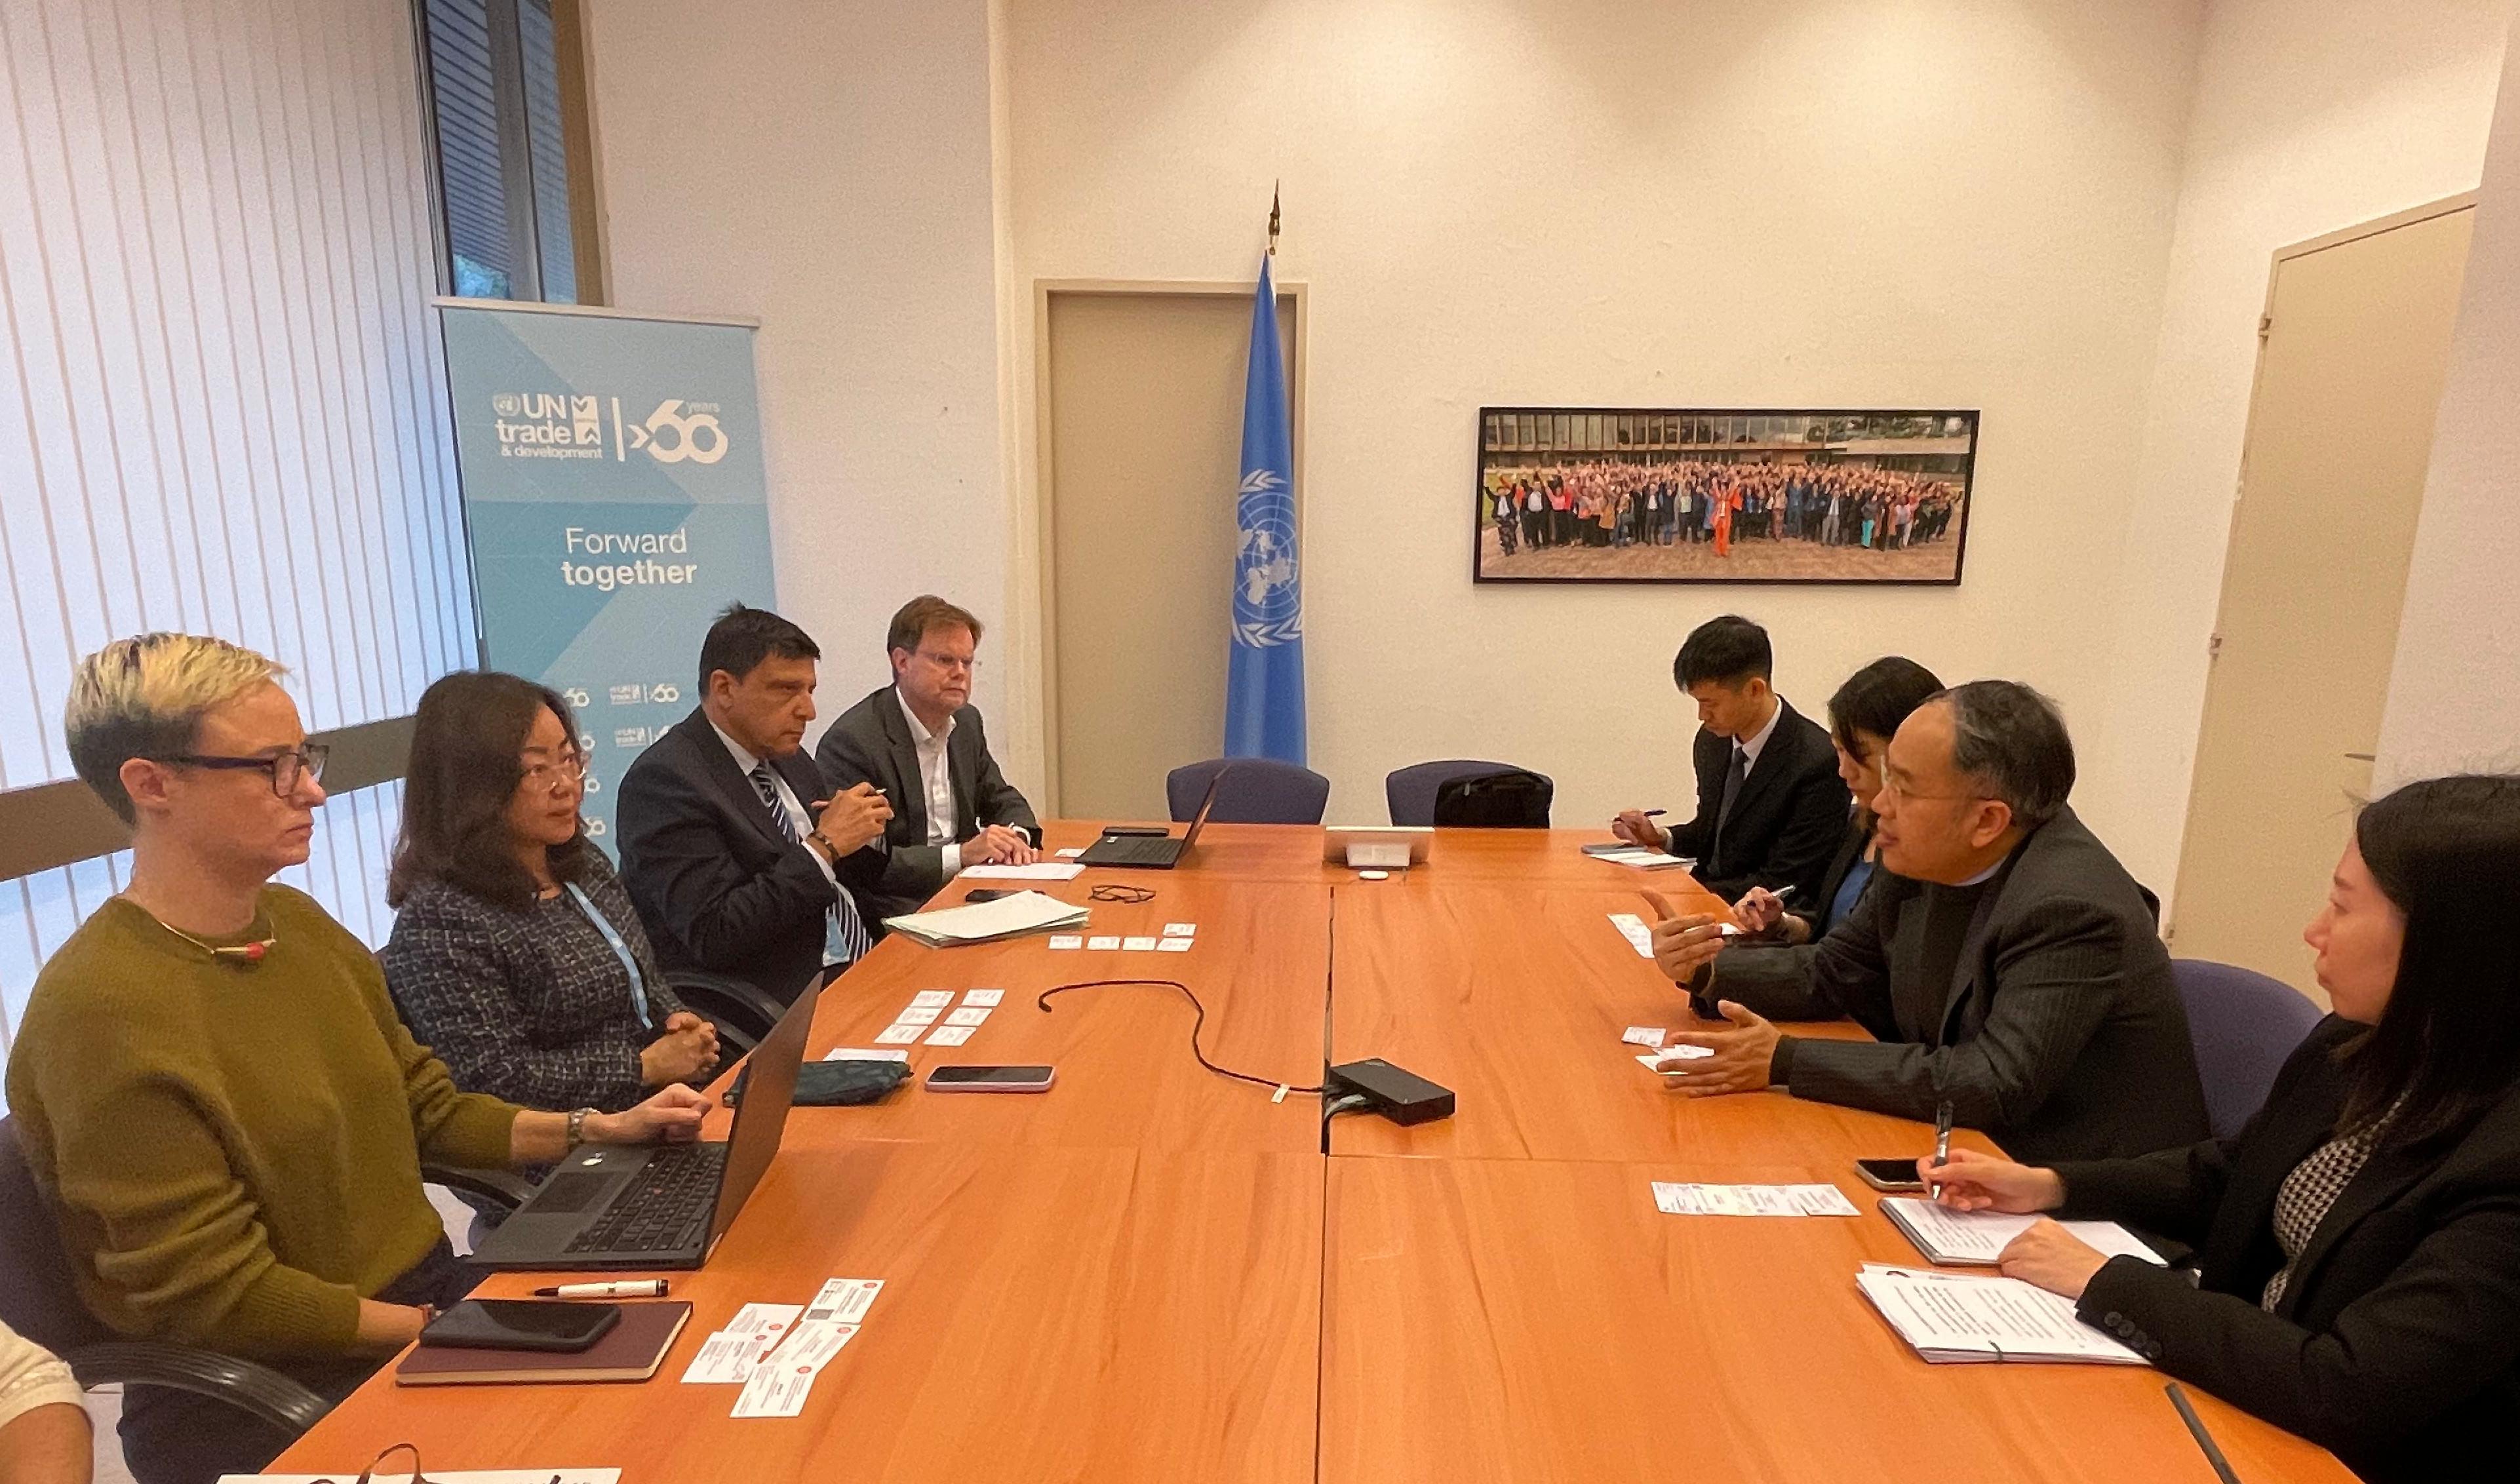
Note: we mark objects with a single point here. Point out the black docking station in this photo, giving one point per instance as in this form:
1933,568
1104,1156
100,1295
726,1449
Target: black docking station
1399,1095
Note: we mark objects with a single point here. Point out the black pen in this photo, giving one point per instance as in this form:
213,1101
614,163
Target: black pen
1942,1142
2196,1431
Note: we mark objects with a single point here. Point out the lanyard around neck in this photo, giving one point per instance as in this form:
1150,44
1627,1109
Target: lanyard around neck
620,949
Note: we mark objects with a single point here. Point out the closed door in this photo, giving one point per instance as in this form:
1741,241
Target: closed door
1143,431
2356,342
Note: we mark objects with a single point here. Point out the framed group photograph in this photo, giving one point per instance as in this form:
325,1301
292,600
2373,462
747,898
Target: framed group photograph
1624,494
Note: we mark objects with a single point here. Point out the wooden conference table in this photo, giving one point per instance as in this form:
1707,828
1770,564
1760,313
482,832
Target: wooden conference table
1155,1273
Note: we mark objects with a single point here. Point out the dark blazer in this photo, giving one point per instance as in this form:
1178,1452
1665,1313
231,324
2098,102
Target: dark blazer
527,1001
718,886
871,744
2397,1343
2062,1034
1786,823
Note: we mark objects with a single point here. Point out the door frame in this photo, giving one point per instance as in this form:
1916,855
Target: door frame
2448,205
1044,483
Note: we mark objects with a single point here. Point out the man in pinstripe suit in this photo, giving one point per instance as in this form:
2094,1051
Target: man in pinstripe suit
2001,958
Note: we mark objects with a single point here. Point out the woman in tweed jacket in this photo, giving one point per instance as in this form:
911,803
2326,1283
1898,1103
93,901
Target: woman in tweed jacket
517,956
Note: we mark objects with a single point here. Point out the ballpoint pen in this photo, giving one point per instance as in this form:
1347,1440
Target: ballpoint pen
1942,1142
643,1287
2196,1431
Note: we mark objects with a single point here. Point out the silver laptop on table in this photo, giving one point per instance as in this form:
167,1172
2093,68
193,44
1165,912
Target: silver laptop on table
614,1206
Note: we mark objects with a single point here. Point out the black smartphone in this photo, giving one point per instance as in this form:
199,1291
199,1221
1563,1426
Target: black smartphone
989,1079
1895,1175
518,1324
986,894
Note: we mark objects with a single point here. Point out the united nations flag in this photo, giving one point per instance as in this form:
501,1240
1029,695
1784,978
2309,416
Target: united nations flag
1264,678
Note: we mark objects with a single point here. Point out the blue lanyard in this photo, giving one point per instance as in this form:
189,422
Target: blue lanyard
621,951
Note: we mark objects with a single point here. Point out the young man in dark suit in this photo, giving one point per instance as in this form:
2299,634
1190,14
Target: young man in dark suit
2003,959
919,740
1770,807
739,859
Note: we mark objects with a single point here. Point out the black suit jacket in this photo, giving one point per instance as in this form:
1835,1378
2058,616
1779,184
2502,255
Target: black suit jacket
2396,1342
1786,821
2061,1033
717,884
871,744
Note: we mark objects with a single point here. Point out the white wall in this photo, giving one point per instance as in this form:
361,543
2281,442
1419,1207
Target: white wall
2058,212
1613,202
826,167
2308,117
2454,693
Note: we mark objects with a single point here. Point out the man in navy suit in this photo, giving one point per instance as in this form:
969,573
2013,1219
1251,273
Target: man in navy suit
1770,807
739,859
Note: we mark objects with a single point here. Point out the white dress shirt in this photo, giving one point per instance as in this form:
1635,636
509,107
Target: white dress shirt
1753,745
936,781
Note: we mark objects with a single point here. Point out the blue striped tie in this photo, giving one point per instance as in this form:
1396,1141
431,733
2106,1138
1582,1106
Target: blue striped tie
844,934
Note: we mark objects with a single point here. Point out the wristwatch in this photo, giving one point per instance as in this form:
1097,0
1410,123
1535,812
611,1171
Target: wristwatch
577,1126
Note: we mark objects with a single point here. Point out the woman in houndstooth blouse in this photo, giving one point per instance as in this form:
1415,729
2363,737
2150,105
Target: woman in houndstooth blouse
2358,1267
515,955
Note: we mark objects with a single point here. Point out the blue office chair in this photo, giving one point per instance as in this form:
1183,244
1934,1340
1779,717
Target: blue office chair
2244,1025
1410,792
1257,790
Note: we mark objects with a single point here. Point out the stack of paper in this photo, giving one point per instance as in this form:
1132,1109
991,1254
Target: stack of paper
1955,1318
987,922
1040,871
1642,859
1978,1237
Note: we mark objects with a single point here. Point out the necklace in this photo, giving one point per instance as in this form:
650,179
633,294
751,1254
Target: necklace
250,953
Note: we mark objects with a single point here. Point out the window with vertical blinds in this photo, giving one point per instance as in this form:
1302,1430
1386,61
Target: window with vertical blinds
217,258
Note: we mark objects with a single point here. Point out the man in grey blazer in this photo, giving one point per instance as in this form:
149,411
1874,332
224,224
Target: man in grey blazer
919,741
2003,961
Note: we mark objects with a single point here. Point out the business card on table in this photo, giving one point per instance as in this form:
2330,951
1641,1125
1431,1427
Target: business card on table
900,1035
728,1357
1181,929
1071,852
1667,1060
1677,1200
1100,944
949,1035
983,996
917,1014
1137,945
778,1386
934,999
863,1053
843,1300
968,1015
1642,1035
1175,945
1633,928
1067,940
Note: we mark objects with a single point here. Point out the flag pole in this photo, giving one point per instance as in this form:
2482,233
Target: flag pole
1272,218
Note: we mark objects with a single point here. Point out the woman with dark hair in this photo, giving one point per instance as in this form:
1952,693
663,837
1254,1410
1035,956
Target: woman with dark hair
1863,716
2358,1242
517,956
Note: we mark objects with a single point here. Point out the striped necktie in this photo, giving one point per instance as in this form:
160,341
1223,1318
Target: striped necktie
844,934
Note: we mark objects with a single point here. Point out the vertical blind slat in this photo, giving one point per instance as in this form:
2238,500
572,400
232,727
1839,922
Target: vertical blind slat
215,267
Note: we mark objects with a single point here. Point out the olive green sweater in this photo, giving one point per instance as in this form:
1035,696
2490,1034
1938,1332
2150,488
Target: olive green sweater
234,1150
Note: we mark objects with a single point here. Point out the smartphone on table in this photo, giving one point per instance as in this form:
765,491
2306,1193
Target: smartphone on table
1897,1176
989,1079
520,1323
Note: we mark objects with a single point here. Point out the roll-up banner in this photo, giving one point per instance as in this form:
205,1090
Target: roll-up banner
615,500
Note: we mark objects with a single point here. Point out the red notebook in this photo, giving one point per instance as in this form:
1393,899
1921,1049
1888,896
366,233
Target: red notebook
631,1351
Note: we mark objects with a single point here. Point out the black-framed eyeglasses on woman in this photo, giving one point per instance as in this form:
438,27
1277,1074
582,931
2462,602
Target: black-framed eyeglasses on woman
284,768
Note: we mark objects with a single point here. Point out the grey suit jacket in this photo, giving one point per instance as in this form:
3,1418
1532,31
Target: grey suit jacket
871,742
2062,1034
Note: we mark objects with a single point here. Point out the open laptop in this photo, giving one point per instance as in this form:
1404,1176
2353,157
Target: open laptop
617,1206
1158,853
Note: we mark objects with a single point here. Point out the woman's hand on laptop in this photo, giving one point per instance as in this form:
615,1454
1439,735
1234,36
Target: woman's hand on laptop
673,1116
